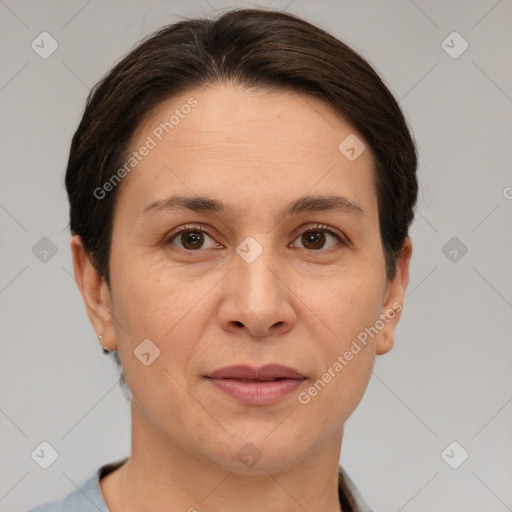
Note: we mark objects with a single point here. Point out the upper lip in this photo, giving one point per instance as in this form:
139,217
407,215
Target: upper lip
267,372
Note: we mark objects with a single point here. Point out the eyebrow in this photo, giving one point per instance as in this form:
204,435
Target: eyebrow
303,204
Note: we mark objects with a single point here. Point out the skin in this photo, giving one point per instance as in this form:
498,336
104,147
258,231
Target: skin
298,304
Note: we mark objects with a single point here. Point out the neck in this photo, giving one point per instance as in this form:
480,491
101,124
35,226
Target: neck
160,473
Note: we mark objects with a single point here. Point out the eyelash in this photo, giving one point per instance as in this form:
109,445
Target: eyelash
316,228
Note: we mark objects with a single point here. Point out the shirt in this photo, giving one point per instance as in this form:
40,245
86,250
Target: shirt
88,497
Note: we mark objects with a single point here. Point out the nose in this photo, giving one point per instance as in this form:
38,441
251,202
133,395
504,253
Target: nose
257,300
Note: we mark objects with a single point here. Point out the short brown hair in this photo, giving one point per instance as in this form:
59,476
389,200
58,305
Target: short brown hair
251,48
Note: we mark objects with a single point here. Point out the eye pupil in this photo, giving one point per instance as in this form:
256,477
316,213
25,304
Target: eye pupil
193,238
316,238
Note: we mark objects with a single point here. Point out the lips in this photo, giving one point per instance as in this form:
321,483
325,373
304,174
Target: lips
257,386
265,373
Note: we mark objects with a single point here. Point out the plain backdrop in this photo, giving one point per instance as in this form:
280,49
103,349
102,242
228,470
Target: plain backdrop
449,377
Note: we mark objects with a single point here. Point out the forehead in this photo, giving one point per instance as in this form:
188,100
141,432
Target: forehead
228,142
243,119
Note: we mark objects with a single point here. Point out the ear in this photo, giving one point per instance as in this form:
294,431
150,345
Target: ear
95,294
394,299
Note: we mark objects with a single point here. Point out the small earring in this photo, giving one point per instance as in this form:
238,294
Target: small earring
100,339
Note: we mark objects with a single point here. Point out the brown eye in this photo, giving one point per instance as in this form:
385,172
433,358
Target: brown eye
314,238
191,239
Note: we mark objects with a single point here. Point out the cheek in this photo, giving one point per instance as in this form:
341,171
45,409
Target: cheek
150,305
331,399
346,310
149,308
148,297
347,302
345,363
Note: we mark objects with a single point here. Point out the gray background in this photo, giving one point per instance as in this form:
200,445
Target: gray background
449,375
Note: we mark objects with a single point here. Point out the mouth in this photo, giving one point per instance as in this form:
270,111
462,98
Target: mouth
257,386
266,373
260,380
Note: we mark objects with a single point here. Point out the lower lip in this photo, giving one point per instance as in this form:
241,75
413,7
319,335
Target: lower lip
258,393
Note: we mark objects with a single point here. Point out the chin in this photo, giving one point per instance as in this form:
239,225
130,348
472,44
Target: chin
258,454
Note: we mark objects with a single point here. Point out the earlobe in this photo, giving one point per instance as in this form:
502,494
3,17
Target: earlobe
384,344
393,303
95,294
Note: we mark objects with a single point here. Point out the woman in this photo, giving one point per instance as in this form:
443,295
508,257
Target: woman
240,196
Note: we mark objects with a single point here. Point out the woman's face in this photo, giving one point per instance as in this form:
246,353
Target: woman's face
252,289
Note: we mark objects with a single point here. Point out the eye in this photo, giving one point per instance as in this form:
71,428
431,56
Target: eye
315,237
192,238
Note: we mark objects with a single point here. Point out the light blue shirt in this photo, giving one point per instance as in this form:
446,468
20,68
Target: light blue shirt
88,497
